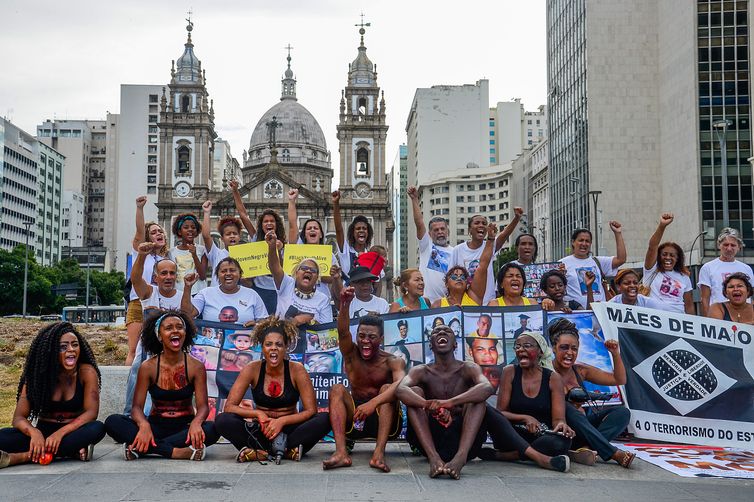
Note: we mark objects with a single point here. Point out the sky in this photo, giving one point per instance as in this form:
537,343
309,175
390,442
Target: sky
67,60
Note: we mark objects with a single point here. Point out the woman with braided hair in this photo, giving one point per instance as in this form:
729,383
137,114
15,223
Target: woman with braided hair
175,381
59,387
276,384
594,428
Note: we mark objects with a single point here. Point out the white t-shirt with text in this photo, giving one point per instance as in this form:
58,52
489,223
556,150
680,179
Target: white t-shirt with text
290,304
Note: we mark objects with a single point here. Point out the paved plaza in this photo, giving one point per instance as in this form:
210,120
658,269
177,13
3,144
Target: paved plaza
220,478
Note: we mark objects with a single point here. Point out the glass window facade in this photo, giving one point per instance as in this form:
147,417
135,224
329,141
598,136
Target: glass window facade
567,119
724,93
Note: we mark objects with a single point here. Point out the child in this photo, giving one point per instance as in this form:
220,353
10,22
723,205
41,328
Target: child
229,228
190,257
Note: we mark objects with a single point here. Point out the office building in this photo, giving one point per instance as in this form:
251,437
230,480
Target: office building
401,206
49,204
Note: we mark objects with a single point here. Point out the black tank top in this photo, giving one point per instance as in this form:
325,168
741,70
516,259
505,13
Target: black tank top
726,313
539,406
172,403
289,396
66,410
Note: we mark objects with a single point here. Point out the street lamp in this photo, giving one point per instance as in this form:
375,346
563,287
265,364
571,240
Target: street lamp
543,231
721,129
88,266
595,198
27,224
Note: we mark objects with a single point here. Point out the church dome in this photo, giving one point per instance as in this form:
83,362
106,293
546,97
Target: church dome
297,127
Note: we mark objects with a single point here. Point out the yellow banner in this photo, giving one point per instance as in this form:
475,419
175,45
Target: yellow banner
252,257
295,253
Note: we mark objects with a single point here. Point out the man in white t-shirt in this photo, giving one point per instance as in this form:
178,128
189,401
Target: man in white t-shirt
469,253
364,302
434,250
713,273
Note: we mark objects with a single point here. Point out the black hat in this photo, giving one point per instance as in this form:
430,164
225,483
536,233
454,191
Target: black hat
360,273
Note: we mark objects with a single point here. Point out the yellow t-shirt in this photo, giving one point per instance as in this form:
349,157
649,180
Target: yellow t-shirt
466,301
501,302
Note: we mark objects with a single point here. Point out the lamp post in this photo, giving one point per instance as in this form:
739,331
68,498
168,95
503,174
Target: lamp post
595,198
721,129
27,224
543,231
88,266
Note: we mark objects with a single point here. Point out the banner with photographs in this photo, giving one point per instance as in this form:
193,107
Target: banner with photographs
484,335
534,273
689,377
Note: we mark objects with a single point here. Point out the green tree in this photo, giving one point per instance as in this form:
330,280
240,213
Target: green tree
39,287
503,257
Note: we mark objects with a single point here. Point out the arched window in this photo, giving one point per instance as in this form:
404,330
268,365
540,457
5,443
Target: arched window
186,104
286,155
362,107
362,162
184,159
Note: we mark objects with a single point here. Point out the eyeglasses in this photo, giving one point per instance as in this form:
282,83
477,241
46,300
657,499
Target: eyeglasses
457,277
306,268
525,346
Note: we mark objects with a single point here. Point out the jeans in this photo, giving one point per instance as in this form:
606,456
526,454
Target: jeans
140,357
597,428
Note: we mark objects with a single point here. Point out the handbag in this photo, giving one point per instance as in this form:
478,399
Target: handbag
645,288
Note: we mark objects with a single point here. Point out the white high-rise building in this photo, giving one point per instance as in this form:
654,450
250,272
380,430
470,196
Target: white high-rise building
540,200
133,166
512,129
224,166
448,129
402,212
72,226
49,205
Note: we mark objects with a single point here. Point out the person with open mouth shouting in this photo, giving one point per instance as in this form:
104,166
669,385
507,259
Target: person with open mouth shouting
627,281
594,427
174,381
738,290
59,387
298,298
445,401
275,428
511,280
370,410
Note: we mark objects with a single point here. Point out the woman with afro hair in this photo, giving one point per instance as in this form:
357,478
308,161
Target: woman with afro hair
174,381
276,386
59,387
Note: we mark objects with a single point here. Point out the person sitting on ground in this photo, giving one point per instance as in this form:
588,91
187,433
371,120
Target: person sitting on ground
145,232
175,381
445,401
594,427
229,228
459,288
298,298
665,273
190,257
531,397
713,273
554,284
276,385
162,296
627,281
59,388
364,302
370,410
411,286
738,290
511,280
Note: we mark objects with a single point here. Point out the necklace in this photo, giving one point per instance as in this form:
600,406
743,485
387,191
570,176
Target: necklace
302,295
737,312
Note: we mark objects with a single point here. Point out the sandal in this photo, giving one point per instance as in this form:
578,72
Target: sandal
627,459
128,453
583,456
197,454
4,459
294,454
88,453
250,455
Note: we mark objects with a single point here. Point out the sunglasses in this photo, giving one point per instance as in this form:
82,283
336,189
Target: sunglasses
457,277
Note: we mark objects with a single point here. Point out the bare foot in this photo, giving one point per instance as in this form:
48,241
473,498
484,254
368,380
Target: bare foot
181,453
436,467
379,463
453,468
337,460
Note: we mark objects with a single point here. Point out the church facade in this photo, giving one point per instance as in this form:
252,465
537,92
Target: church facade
287,150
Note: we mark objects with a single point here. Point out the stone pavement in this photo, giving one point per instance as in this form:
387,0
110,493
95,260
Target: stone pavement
109,477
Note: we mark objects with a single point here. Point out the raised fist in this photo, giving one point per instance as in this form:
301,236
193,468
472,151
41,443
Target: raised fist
141,201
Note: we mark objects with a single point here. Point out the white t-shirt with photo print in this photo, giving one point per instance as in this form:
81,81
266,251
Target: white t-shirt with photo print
290,304
464,256
359,308
576,269
434,262
247,302
667,288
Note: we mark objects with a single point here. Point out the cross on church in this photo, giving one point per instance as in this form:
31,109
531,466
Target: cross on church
272,125
362,24
289,50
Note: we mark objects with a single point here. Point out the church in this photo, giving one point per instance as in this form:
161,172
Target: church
287,150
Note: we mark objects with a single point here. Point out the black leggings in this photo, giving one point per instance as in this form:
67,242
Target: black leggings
234,428
14,441
505,437
167,434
